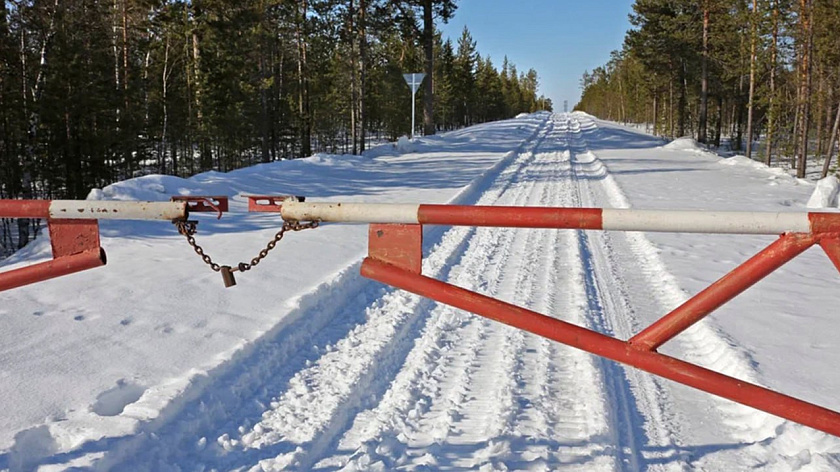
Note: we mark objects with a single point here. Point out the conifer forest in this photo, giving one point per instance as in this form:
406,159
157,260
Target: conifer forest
763,75
97,91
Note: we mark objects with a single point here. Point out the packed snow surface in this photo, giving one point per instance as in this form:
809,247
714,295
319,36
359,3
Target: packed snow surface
150,364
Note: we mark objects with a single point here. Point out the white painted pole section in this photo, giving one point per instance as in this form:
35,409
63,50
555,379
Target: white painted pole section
351,212
111,210
719,222
413,99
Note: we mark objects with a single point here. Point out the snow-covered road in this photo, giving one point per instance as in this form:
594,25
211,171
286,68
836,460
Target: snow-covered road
363,377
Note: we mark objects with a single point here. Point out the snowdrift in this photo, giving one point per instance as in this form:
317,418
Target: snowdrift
825,194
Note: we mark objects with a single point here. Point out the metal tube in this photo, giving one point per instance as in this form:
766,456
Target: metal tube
351,212
516,217
674,369
113,210
696,221
50,269
741,278
678,221
24,208
92,210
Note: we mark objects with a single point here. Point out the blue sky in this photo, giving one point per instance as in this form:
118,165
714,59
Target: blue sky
560,39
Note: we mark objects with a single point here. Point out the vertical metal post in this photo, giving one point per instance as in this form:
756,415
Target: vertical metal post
413,113
413,80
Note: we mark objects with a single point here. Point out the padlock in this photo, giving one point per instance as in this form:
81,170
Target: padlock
227,276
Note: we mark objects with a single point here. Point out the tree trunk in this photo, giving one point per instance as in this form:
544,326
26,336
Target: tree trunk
831,143
719,123
34,117
683,100
354,98
772,107
821,104
751,102
164,82
704,77
429,48
655,111
671,108
362,74
303,85
205,155
805,86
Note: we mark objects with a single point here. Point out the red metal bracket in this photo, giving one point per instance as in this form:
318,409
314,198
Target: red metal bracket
74,232
399,245
217,204
270,204
75,247
394,260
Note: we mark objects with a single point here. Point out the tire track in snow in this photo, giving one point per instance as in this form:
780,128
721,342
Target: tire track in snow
638,399
437,421
448,399
211,429
379,371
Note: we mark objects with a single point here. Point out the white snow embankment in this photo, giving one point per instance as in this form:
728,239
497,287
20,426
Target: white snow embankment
825,194
684,144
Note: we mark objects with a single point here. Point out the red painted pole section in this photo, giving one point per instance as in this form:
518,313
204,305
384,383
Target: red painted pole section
824,222
25,208
511,217
674,369
743,277
51,269
831,246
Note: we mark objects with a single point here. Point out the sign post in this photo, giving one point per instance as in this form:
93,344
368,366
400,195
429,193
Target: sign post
413,81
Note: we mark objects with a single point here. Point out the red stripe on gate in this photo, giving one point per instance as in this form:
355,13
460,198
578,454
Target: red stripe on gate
25,208
513,217
824,222
674,369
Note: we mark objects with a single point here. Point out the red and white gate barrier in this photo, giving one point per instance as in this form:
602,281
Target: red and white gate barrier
74,232
395,255
395,258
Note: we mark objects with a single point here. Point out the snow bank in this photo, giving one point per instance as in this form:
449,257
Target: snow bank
825,194
521,115
684,144
405,145
149,187
776,174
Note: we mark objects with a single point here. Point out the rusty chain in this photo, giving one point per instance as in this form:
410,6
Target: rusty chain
189,228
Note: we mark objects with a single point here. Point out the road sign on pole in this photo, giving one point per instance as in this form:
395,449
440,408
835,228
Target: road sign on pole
413,81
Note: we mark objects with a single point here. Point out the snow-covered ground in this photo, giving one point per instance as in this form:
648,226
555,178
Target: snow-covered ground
150,364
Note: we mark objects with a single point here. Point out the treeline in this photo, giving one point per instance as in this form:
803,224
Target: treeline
92,92
765,73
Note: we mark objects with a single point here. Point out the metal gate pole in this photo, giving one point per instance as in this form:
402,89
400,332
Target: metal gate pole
674,369
73,226
728,287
